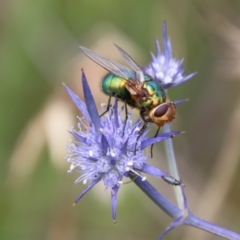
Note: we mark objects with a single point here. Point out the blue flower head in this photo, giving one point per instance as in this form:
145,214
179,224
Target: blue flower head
164,67
103,152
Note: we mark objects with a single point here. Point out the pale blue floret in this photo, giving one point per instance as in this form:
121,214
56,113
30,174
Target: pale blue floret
163,67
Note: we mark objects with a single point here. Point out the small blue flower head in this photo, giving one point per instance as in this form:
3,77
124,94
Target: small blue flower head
103,152
164,67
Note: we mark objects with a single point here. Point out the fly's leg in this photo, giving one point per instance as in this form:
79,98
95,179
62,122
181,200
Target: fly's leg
139,135
126,113
141,130
108,107
151,149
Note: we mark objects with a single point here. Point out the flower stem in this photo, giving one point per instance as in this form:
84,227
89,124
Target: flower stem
173,211
172,164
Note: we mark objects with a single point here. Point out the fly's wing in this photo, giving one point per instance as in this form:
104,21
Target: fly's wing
110,65
132,64
128,59
136,88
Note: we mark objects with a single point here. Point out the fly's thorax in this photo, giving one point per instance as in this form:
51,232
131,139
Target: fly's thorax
163,113
155,89
155,94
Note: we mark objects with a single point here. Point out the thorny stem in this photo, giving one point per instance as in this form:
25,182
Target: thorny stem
173,211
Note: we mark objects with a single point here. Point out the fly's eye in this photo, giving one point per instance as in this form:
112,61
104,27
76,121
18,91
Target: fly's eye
161,110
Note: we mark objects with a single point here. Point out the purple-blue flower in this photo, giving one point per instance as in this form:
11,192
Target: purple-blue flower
163,67
103,152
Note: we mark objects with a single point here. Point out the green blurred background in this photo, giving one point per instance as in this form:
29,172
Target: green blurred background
39,49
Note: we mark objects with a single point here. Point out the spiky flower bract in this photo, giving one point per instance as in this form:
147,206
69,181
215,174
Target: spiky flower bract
163,67
103,152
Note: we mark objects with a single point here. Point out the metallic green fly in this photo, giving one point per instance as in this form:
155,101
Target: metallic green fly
134,88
